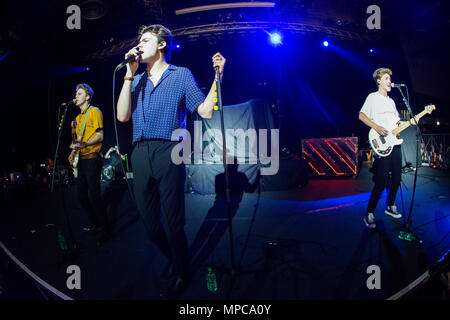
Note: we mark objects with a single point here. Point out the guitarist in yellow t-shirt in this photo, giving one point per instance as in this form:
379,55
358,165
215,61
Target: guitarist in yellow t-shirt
87,131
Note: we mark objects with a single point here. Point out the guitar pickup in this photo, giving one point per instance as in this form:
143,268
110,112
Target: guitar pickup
375,143
383,141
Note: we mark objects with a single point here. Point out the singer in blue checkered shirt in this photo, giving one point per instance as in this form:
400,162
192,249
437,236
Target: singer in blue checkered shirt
159,110
157,101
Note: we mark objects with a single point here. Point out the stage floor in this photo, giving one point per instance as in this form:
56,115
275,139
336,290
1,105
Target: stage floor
307,243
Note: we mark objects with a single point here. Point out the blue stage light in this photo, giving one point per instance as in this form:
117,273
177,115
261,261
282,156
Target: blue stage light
275,38
177,46
325,43
371,50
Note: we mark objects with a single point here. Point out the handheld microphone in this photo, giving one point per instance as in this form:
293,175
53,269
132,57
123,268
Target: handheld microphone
397,85
73,101
131,57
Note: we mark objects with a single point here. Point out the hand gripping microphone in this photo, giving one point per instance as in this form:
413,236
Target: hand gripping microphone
131,57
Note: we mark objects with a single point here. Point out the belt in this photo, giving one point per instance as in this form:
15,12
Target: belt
89,156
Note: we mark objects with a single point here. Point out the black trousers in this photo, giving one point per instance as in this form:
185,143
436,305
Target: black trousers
88,191
159,194
382,167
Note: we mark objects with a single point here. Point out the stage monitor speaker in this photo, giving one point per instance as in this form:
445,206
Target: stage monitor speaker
331,157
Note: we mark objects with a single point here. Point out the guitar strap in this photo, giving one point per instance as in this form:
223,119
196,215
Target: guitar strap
83,125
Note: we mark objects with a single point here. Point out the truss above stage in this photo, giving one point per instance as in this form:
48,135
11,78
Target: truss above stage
251,27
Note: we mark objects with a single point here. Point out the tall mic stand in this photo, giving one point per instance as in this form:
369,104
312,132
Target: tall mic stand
407,234
60,127
73,250
233,272
225,166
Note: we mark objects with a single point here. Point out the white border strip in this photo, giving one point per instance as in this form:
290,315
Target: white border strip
32,275
411,286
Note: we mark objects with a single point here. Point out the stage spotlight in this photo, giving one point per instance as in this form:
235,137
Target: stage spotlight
86,69
177,46
325,43
275,38
371,50
438,123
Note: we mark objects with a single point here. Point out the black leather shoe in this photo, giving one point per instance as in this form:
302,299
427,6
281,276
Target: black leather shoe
174,290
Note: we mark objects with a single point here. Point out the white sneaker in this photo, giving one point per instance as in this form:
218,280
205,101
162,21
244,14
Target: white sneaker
369,220
392,211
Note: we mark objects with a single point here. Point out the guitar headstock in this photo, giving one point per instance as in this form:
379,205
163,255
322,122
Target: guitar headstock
430,108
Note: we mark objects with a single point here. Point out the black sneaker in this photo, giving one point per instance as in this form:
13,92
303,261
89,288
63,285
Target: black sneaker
392,211
369,220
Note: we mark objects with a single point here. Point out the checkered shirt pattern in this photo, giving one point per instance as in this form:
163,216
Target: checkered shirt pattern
159,110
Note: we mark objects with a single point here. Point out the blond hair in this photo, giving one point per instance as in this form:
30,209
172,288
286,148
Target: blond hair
380,72
87,89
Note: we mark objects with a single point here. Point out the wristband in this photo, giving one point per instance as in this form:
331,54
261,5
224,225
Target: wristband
128,78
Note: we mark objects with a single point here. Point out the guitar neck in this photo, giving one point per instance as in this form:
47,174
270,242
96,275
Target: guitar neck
405,125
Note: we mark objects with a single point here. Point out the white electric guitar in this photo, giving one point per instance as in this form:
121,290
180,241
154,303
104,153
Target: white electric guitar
383,145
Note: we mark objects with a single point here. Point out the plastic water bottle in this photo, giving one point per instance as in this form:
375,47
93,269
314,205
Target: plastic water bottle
62,241
211,280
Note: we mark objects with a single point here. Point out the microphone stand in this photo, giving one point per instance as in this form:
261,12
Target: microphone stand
407,234
72,250
233,270
225,166
60,126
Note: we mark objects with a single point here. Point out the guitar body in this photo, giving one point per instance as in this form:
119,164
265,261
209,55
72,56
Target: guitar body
76,158
383,145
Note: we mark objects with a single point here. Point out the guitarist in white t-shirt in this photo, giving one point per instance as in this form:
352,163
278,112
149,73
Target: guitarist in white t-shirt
379,113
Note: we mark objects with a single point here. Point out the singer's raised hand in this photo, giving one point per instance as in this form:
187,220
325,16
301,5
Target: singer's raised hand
132,65
219,61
